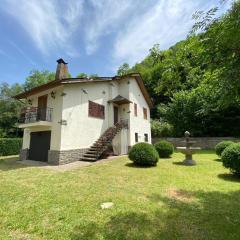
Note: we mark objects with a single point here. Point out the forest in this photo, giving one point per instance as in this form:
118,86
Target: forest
195,84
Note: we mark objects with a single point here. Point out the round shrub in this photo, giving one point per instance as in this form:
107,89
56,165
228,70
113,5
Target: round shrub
164,148
219,148
231,158
143,154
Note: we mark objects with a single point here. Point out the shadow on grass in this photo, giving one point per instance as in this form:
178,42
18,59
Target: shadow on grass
10,164
13,163
212,215
133,165
182,164
218,160
229,177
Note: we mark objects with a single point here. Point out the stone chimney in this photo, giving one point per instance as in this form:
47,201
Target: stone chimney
62,70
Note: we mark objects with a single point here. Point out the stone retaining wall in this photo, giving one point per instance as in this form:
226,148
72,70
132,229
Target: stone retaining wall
64,157
23,155
202,142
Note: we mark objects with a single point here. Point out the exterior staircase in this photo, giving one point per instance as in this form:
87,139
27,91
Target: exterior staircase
101,145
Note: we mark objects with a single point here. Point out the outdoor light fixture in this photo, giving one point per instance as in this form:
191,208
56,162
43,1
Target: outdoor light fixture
53,94
84,91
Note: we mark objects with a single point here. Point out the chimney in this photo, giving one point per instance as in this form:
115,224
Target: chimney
62,70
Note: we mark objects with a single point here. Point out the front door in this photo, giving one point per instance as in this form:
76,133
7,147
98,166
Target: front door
115,115
42,107
39,146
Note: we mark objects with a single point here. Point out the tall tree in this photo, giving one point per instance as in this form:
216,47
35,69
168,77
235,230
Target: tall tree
37,78
9,110
123,69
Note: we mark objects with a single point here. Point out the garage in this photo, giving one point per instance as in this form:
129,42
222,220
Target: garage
39,146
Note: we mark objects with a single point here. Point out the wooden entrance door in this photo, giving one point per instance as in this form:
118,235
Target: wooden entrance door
42,107
115,115
39,146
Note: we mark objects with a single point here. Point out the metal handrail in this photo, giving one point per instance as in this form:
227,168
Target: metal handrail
35,114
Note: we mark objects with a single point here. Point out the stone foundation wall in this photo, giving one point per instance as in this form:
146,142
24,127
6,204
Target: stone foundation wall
66,156
23,155
202,142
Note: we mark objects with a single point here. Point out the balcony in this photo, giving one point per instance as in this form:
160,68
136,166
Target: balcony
35,116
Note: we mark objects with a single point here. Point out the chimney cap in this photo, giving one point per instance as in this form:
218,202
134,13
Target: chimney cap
60,60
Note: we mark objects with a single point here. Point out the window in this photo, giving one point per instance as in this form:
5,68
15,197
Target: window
95,110
146,137
144,113
136,137
135,109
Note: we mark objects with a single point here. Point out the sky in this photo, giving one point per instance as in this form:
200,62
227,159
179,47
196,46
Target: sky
93,36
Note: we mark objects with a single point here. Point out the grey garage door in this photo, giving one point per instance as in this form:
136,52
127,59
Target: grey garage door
39,146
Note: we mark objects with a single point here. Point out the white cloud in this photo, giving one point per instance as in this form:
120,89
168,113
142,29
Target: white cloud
106,16
131,26
165,23
49,24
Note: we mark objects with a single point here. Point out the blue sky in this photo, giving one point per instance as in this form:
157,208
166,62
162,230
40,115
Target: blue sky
93,36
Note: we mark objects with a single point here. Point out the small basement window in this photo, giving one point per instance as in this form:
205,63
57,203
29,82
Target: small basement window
96,110
136,137
146,137
144,113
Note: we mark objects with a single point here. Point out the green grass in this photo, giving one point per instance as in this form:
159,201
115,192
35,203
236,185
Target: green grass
170,201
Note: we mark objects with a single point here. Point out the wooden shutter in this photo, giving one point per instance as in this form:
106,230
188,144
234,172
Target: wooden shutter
96,110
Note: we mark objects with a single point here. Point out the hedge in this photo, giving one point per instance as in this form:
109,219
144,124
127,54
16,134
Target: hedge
10,146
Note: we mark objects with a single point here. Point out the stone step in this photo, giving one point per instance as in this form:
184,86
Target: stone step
92,151
89,159
101,144
94,155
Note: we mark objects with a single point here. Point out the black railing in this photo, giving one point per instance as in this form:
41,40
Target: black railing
35,114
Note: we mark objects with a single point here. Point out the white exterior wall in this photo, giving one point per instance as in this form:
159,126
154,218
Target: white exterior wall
81,130
55,128
137,123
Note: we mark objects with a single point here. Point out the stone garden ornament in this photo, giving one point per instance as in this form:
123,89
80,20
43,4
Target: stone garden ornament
188,150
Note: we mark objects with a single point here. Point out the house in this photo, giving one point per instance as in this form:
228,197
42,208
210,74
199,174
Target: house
70,119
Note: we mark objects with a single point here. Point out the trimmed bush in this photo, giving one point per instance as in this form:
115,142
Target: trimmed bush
164,148
231,158
219,148
10,146
143,154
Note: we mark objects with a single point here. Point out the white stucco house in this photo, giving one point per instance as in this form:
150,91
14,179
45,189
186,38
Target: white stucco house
72,119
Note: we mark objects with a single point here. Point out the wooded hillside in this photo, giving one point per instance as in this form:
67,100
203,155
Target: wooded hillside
195,84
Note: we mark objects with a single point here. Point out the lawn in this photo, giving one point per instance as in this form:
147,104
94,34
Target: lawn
170,201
